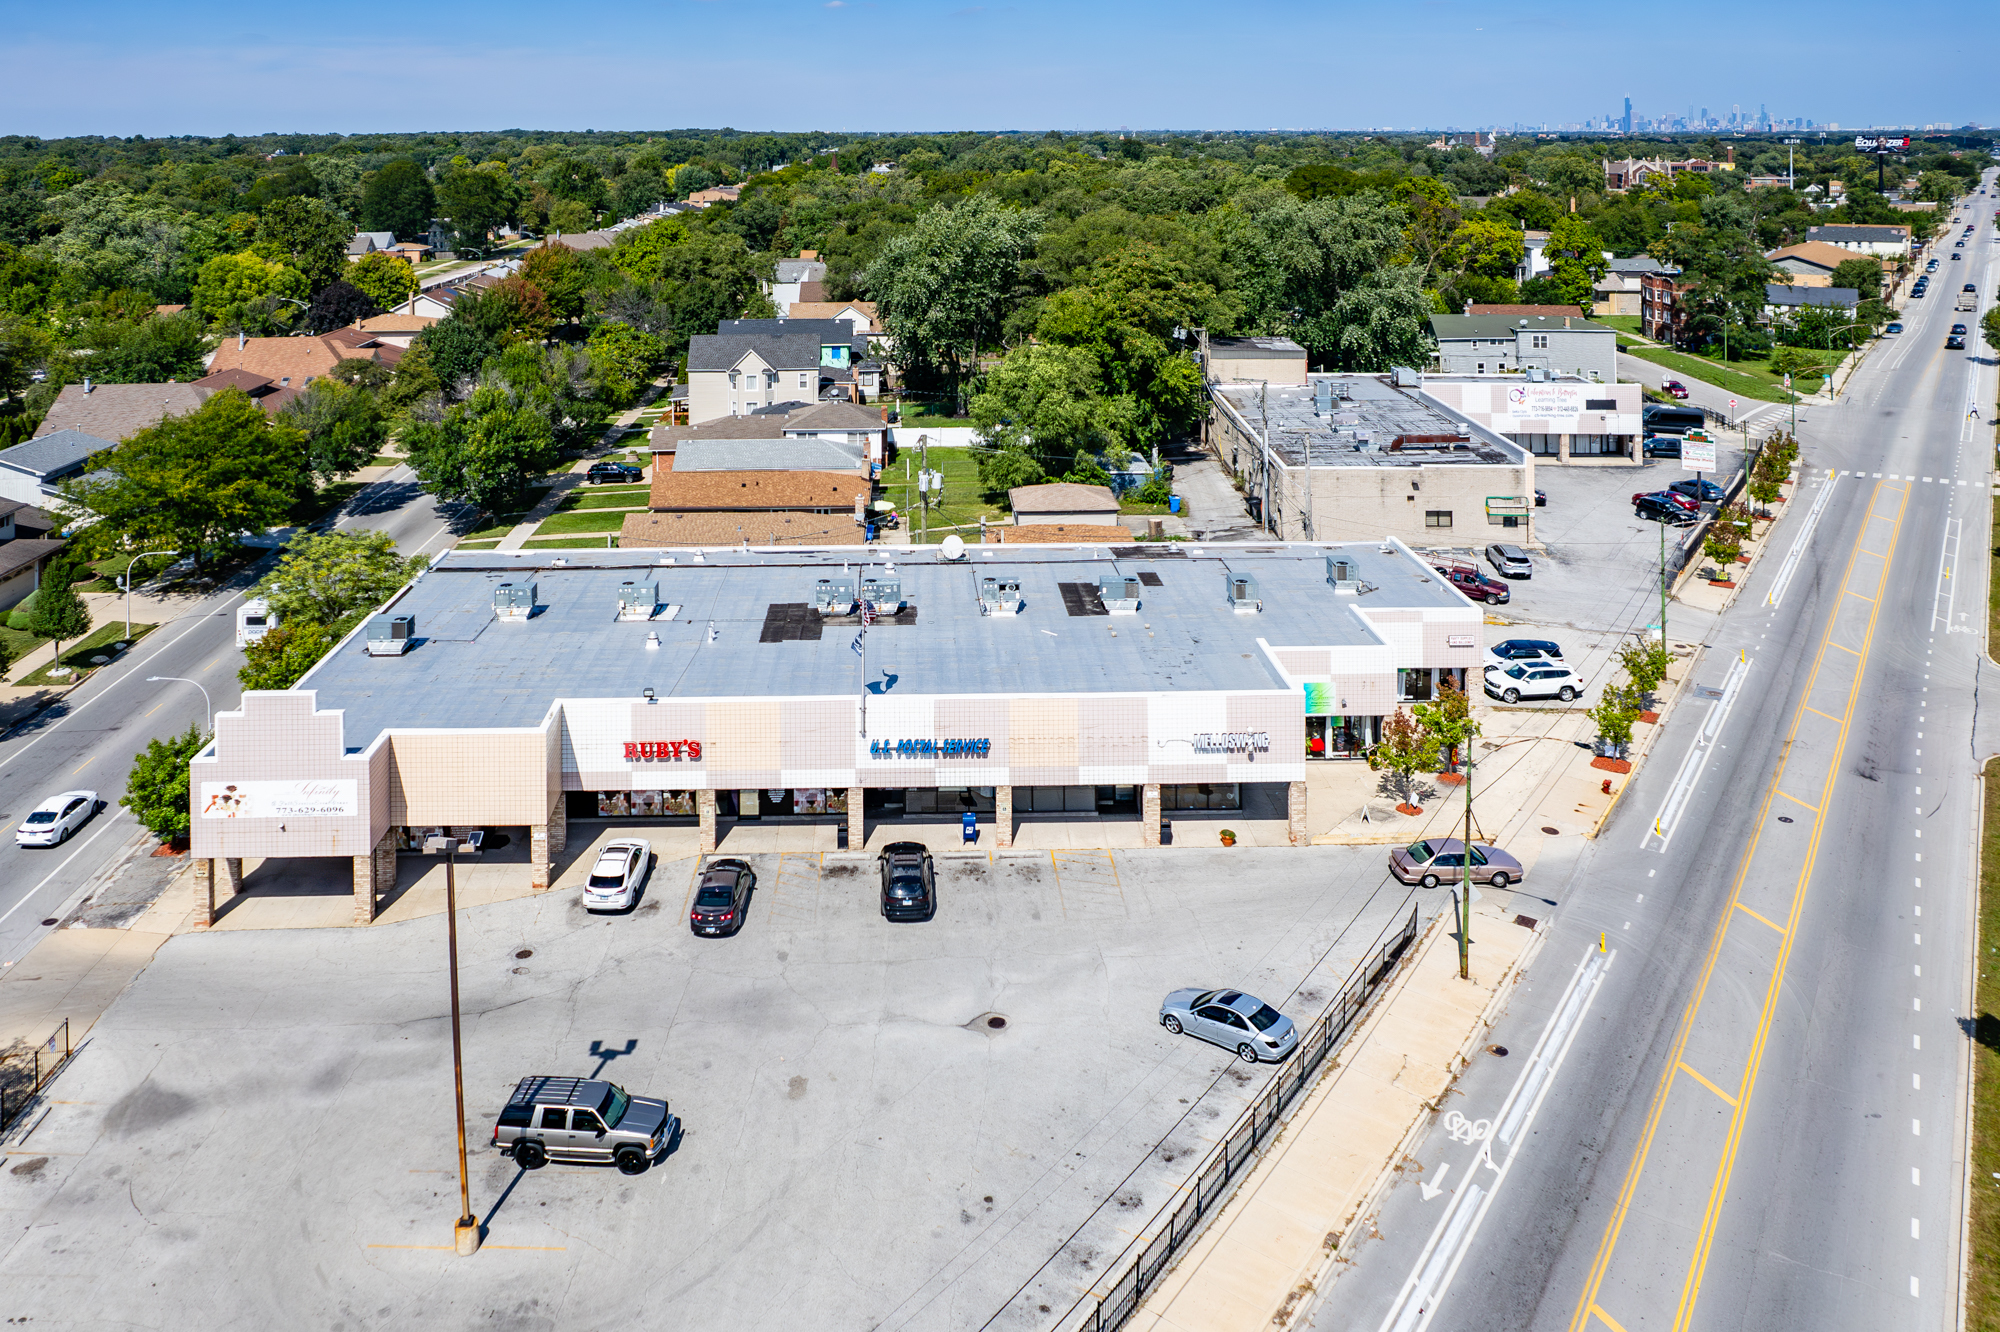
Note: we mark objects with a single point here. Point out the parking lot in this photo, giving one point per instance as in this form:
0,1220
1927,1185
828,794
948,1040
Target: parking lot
888,1126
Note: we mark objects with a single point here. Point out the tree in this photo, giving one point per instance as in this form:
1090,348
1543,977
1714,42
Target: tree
1434,220
561,274
323,577
476,202
306,234
1405,750
337,305
1617,708
1044,400
1576,260
1001,470
193,481
387,280
398,199
59,613
943,288
157,790
454,350
1449,720
1323,274
483,452
1989,327
344,425
243,292
1645,664
1485,247
622,360
282,656
1863,275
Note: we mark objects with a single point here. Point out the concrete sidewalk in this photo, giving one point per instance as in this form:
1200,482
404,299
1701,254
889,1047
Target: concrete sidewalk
1259,1261
570,480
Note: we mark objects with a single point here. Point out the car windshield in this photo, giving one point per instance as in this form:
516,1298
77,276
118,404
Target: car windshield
1265,1018
615,879
1516,672
42,816
614,1105
713,895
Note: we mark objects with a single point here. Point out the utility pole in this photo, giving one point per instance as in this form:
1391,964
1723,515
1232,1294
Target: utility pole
1465,896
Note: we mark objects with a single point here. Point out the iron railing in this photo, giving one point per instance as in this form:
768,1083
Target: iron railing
21,1081
1209,1184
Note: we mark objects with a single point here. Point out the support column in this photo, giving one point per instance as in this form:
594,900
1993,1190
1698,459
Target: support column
385,864
1149,813
538,857
1295,813
1003,816
1562,448
559,825
704,805
367,878
204,894
857,819
232,869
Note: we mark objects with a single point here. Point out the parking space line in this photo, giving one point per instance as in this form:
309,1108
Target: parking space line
1683,1066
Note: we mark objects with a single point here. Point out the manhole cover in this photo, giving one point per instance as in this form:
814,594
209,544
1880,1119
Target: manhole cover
525,952
996,1022
1784,818
50,921
1525,922
1553,832
1500,1050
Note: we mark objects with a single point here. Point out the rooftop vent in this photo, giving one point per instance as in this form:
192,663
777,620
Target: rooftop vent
514,601
1403,376
637,601
1322,397
834,596
1346,579
1243,596
1119,593
999,596
390,635
885,594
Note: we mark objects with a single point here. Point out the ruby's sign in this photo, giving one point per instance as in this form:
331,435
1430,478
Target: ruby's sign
663,749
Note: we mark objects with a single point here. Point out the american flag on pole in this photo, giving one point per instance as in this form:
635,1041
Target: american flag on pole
867,613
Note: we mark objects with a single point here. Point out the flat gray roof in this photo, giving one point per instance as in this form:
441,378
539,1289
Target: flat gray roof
472,671
1362,427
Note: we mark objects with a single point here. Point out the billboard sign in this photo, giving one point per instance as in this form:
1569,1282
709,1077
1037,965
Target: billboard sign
278,800
1558,404
1865,144
1698,451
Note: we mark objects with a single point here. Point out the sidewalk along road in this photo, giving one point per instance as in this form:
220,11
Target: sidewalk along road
88,740
1759,1122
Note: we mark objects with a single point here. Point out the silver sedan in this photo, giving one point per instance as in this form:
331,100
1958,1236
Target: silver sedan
1233,1020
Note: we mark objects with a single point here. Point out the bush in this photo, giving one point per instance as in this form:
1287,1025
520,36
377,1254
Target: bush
1645,664
1614,714
157,790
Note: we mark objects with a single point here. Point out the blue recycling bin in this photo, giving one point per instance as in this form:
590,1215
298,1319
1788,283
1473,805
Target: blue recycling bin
968,826
1173,504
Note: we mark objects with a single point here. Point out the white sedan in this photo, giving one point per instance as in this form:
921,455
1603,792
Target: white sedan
52,822
618,875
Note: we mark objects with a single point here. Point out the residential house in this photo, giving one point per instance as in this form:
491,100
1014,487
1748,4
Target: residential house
1534,262
791,431
794,280
28,541
296,362
1811,263
1363,457
1502,344
584,240
861,315
393,329
1618,291
1664,306
753,508
269,394
1259,360
1560,419
32,472
1062,502
368,242
117,411
719,194
1783,300
753,363
1890,242
412,252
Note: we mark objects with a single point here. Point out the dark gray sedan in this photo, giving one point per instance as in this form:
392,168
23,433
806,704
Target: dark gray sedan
1233,1020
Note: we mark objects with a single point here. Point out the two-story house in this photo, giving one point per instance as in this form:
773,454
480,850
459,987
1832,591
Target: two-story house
1500,344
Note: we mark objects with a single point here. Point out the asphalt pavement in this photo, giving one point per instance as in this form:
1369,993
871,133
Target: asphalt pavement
1748,1110
89,740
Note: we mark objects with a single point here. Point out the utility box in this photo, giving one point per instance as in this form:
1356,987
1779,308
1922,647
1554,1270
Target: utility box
637,601
391,635
514,601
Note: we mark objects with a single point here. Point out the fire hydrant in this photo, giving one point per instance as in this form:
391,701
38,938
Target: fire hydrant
1607,786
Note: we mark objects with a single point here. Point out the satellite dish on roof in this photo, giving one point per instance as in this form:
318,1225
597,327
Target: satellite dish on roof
952,548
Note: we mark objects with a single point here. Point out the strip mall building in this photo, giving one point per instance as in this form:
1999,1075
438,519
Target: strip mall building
525,691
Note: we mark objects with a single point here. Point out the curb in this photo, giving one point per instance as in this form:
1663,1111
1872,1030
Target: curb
1645,751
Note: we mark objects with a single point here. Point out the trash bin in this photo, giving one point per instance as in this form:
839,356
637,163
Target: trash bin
1173,504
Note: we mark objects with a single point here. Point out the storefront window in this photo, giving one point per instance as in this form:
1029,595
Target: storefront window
952,800
1414,685
1202,795
644,804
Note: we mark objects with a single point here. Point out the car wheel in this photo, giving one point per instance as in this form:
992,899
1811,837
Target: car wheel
631,1161
1566,694
1247,1053
1511,696
1429,881
1500,879
530,1155
1171,1023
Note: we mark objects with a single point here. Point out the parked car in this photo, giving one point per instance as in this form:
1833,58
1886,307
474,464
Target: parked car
1658,509
1705,491
1541,498
1434,860
617,876
1511,561
722,898
1674,497
909,884
602,472
56,819
1673,388
583,1120
1893,328
1532,679
1510,650
1232,1019
1662,446
1475,584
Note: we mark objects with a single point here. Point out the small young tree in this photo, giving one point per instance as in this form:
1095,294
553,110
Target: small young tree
1723,546
59,613
1617,708
1448,721
1406,749
1645,665
157,790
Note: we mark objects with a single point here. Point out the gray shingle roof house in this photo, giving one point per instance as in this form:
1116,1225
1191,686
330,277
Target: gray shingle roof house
1500,344
118,411
756,363
31,471
1778,299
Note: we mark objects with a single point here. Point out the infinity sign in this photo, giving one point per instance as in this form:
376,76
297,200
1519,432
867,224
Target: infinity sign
1462,1129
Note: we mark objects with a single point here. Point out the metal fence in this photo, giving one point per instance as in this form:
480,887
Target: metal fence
1210,1183
23,1073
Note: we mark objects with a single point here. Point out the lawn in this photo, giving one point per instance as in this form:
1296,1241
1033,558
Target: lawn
567,543
963,504
597,521
77,657
477,545
606,497
1745,379
1982,1285
1627,324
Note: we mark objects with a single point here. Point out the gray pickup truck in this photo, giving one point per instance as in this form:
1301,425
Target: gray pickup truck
584,1120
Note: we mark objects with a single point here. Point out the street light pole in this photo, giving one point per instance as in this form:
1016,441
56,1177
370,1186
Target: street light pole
182,679
1465,896
126,580
465,1232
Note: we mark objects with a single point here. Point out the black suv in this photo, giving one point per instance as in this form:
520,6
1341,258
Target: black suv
616,473
909,886
722,898
1661,510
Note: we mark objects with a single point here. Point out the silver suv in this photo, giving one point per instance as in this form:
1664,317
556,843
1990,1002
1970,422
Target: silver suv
583,1120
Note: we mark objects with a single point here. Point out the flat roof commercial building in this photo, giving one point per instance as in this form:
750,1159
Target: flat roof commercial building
529,689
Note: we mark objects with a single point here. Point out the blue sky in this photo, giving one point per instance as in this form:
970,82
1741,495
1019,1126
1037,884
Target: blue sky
124,67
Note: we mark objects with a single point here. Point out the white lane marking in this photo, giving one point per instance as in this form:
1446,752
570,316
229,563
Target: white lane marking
1916,1041
1914,1179
1916,1128
29,895
1916,1083
1798,550
1431,1190
1916,1005
1944,591
1913,1228
1668,816
1913,1287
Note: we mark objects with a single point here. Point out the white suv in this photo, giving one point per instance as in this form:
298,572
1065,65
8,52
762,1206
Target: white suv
617,876
1532,679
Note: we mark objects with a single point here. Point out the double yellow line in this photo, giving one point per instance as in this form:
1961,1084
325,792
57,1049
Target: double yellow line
1587,1305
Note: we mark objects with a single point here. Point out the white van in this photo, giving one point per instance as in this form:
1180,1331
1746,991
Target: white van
254,619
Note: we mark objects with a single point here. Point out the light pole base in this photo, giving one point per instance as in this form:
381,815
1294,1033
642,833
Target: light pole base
465,1237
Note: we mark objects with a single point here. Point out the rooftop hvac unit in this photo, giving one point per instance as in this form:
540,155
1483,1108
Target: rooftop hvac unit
1322,396
1346,579
1119,593
999,596
1243,596
834,596
1403,376
637,601
514,601
391,635
884,594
